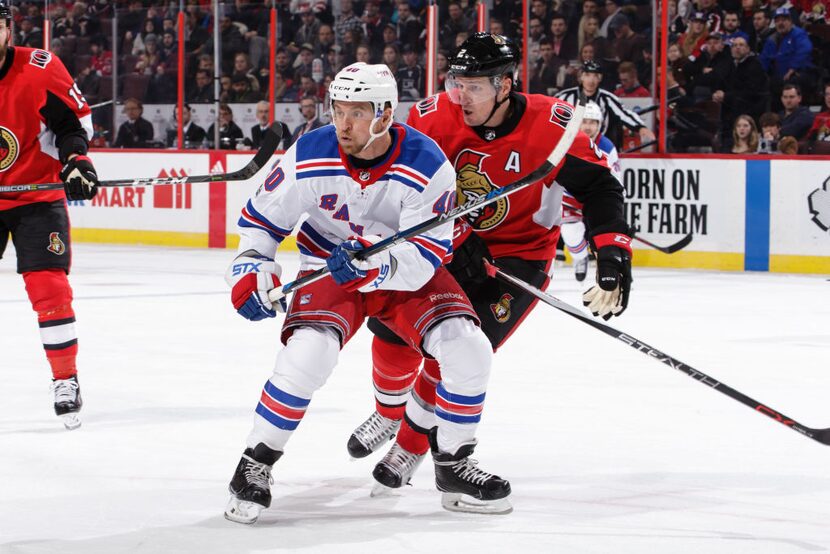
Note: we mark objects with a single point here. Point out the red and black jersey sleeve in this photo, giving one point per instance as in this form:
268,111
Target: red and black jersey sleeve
585,174
65,110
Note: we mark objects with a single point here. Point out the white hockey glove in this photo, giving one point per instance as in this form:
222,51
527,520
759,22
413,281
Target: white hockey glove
250,276
360,275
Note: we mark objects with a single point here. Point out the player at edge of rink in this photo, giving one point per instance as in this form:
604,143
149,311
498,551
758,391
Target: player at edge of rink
45,126
573,228
494,136
363,178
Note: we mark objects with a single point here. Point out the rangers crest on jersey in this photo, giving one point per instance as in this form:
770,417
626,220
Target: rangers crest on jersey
56,245
472,182
501,309
9,148
428,105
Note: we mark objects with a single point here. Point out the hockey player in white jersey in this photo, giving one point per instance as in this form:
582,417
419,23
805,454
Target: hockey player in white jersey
359,180
573,228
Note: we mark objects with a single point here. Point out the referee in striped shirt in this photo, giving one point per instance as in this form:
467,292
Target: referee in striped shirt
613,112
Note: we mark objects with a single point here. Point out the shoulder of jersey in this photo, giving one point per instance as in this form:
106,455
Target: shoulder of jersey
437,103
605,144
320,143
420,152
548,108
35,58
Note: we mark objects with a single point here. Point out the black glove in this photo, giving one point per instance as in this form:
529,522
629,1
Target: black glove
80,182
467,265
609,296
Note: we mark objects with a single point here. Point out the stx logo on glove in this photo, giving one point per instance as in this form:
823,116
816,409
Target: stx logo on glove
383,273
247,267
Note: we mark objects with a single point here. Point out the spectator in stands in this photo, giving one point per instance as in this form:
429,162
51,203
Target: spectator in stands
788,146
193,135
310,27
325,40
745,137
89,82
258,130
695,36
410,77
202,93
29,35
308,107
564,44
732,27
536,38
787,53
455,23
496,26
568,75
745,89
709,71
539,9
347,21
231,41
241,92
614,113
392,58
770,133
588,32
308,87
820,131
242,66
333,60
283,65
796,119
373,23
612,11
101,60
761,27
304,64
362,54
627,44
678,61
139,42
714,16
442,66
283,91
136,132
543,77
224,88
630,86
390,35
230,135
169,51
409,27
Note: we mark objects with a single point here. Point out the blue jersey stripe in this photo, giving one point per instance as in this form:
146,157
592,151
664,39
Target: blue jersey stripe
253,211
431,258
248,223
322,173
315,235
408,182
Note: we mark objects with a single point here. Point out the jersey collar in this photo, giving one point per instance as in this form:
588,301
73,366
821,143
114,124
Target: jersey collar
7,63
518,105
367,176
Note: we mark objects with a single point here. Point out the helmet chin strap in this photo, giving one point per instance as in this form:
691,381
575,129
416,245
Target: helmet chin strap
372,134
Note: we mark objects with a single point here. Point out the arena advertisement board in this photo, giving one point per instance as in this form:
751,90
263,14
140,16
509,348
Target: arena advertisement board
170,214
800,216
665,199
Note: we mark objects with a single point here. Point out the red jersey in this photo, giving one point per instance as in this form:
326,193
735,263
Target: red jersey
43,119
524,224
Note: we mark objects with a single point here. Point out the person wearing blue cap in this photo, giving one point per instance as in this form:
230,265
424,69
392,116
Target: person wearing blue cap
786,53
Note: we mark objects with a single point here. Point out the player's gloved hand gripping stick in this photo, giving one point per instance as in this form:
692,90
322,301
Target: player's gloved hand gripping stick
554,159
269,145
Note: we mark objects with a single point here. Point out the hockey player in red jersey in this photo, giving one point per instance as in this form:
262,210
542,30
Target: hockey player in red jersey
494,135
45,126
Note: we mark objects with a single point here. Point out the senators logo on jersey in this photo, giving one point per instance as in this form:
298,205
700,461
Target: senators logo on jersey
501,309
9,148
56,245
472,182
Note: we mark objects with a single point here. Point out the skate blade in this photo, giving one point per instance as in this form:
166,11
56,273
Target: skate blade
456,502
71,421
379,490
242,511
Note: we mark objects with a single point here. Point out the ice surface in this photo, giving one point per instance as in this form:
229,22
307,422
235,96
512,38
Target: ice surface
607,451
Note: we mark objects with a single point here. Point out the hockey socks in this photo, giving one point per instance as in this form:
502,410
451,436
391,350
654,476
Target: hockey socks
394,369
51,297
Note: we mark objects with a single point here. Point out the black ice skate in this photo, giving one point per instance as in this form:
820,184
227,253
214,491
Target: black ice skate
466,488
581,269
251,484
370,434
395,469
68,401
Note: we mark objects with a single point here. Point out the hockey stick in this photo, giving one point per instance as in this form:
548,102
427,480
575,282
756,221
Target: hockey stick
270,141
820,435
670,249
639,147
554,159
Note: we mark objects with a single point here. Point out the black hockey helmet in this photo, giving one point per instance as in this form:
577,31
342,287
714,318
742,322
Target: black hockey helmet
486,55
5,9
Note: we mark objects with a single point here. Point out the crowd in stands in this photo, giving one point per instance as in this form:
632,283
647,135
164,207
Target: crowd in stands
763,59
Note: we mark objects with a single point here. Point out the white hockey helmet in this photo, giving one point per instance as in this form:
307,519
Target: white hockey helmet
362,82
592,112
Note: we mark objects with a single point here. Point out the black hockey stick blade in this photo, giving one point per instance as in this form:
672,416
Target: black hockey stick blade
554,159
818,435
269,144
670,249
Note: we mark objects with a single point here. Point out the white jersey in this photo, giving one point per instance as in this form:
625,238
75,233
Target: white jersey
315,179
610,151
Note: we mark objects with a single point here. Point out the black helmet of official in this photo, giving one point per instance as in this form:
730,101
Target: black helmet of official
486,55
5,10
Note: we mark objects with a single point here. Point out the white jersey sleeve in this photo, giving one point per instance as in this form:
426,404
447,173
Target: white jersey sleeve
613,157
